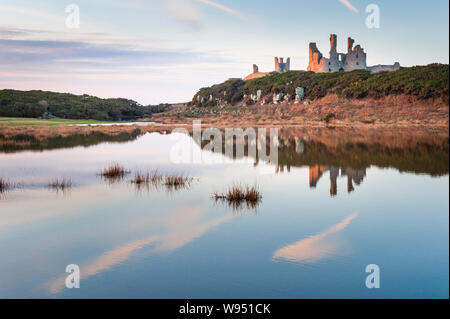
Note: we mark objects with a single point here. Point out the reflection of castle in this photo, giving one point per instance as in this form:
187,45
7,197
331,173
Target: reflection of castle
353,176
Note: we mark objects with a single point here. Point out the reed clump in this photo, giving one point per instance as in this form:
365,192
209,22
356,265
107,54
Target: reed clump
61,184
4,185
153,177
239,193
176,181
114,171
170,181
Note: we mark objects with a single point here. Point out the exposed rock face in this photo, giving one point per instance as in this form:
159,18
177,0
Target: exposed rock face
258,94
278,98
299,94
354,59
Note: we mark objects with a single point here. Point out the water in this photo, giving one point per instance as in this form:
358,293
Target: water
127,124
329,209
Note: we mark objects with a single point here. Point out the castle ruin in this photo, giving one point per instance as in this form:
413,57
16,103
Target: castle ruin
281,66
354,59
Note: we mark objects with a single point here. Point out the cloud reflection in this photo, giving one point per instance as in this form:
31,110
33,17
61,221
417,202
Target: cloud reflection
316,247
184,225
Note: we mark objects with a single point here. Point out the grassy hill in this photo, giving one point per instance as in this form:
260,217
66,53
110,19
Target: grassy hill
423,82
33,104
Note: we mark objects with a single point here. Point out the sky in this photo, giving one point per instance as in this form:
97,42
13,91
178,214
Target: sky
157,51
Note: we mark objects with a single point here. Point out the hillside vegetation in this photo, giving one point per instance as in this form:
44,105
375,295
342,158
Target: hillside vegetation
423,82
33,104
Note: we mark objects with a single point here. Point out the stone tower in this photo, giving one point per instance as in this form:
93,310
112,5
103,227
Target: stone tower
350,43
333,47
281,66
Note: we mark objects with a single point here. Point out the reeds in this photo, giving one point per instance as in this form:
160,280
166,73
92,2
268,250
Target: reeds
177,181
4,185
114,171
153,177
239,193
239,197
60,184
170,181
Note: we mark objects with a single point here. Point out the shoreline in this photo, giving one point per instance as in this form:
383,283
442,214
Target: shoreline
391,113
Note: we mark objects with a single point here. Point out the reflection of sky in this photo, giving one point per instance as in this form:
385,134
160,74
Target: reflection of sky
183,225
181,244
315,247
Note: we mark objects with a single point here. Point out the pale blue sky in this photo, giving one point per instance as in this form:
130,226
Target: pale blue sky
164,50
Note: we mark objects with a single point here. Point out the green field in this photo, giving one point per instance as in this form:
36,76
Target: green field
22,121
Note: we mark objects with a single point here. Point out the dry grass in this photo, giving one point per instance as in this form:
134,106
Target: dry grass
153,177
177,180
238,193
114,171
171,182
61,184
4,185
239,197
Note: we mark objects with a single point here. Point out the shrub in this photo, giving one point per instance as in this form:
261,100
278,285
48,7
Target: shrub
328,117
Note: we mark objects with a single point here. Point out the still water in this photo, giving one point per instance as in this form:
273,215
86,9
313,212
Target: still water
330,207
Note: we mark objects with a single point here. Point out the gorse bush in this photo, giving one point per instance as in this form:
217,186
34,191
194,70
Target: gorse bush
430,81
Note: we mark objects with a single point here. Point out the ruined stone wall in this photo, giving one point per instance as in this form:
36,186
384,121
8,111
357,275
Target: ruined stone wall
281,66
316,60
352,60
355,59
382,68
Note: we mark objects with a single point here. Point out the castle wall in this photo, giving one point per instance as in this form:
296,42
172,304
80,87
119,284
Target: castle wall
382,68
354,59
281,66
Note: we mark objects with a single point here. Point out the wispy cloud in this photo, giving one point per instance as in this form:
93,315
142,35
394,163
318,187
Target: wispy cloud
187,12
349,5
27,11
184,11
223,8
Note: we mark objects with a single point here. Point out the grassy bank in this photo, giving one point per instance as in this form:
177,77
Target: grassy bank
23,121
421,82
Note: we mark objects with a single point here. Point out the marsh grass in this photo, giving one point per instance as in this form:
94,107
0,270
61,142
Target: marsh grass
63,184
240,193
177,181
156,179
114,172
153,177
4,185
239,197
